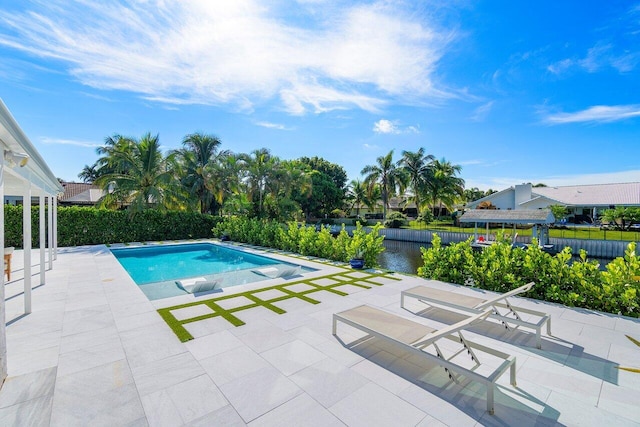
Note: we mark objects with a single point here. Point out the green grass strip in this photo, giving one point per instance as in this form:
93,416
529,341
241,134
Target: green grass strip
342,279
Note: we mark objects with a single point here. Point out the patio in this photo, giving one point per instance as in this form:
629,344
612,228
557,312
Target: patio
95,351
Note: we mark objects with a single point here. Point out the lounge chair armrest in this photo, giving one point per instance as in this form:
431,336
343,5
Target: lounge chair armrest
446,331
517,291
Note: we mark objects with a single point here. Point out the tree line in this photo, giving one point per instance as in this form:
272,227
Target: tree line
200,176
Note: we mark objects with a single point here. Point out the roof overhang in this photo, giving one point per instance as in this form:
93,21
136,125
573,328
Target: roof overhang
36,171
520,216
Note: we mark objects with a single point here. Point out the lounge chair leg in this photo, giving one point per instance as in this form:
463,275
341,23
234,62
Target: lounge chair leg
538,338
490,388
335,325
549,327
512,374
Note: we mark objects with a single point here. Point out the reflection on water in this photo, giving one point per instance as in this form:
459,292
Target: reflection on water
405,257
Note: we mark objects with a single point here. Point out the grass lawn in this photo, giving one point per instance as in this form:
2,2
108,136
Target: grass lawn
592,233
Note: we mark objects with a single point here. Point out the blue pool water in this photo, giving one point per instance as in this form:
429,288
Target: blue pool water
156,268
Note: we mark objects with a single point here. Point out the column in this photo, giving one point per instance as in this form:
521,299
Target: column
42,239
55,228
50,232
26,244
3,327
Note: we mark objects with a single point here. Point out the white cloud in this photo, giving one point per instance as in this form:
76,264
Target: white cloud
270,125
471,162
385,126
561,66
239,53
58,141
598,57
370,146
481,113
597,113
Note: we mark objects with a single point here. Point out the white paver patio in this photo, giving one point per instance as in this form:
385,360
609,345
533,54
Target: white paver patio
95,351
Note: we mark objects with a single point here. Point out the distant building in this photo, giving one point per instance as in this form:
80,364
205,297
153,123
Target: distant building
584,202
79,194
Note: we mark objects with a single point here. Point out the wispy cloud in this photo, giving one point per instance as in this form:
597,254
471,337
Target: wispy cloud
597,113
480,114
239,53
270,125
599,56
370,146
58,141
384,126
471,162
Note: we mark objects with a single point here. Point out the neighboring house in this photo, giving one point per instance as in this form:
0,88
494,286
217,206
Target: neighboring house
584,202
79,194
396,204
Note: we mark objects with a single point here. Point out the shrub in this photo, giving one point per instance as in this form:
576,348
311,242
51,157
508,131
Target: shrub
426,216
362,221
304,240
90,226
500,268
395,220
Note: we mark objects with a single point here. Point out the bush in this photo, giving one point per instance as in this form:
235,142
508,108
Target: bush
362,221
500,268
79,226
304,240
395,220
426,217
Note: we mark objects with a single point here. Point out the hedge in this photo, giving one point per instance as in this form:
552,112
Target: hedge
575,283
305,240
90,226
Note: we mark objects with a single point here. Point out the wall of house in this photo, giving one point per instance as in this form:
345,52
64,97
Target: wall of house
540,203
522,194
504,200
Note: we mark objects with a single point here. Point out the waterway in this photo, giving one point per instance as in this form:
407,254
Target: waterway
405,257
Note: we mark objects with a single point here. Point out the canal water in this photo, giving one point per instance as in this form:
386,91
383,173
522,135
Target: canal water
405,257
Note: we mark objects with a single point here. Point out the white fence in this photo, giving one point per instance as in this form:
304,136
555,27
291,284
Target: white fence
595,248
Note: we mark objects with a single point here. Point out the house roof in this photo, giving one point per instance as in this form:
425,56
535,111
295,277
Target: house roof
593,195
522,216
79,192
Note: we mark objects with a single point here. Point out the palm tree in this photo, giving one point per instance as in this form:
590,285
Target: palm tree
357,194
444,186
89,173
222,177
417,167
199,150
385,173
260,166
374,194
138,174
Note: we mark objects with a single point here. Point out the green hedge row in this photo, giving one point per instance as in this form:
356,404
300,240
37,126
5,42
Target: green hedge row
90,226
577,283
304,240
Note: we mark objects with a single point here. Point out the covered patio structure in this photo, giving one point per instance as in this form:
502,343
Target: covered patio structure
23,172
539,218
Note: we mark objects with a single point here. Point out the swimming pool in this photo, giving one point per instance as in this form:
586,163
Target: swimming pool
155,269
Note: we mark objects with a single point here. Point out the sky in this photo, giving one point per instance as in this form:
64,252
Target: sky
542,92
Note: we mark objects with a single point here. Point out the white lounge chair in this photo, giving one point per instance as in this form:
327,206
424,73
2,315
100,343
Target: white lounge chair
476,305
417,338
196,285
275,272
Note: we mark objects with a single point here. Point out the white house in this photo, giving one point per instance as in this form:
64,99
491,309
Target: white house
584,202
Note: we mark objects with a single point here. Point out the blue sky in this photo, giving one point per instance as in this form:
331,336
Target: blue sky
511,91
